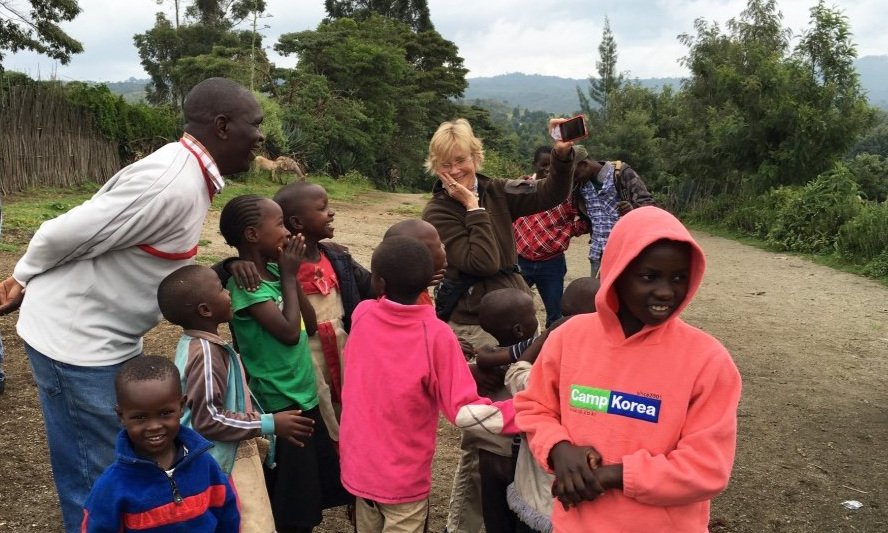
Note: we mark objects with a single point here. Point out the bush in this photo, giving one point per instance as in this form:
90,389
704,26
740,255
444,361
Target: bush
811,219
498,166
276,141
878,267
710,209
758,215
871,174
138,129
865,237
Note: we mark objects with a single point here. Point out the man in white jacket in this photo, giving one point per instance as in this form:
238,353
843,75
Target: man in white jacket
87,284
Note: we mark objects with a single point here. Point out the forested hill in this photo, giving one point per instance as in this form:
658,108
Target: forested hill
559,95
540,93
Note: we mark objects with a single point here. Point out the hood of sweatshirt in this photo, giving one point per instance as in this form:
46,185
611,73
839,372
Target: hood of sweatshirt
634,232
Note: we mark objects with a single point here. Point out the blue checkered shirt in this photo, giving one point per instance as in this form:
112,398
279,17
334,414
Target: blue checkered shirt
602,208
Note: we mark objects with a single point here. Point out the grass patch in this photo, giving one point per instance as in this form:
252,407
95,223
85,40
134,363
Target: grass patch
407,210
24,212
343,190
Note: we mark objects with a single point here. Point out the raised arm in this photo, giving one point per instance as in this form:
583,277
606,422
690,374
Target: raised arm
284,324
529,197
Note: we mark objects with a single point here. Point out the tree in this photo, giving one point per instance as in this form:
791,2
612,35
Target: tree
414,13
403,81
608,79
203,45
38,29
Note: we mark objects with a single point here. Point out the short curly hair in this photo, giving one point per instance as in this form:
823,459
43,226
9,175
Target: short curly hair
146,368
453,135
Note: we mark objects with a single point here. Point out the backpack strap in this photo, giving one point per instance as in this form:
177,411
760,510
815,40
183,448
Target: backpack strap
618,182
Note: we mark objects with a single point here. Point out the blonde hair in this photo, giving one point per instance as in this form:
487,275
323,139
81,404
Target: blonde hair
453,135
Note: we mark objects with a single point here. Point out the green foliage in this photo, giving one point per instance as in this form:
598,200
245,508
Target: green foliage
392,87
878,267
138,129
811,219
596,105
326,129
276,140
875,140
531,128
497,166
39,29
177,57
414,13
871,174
761,116
629,133
865,237
757,216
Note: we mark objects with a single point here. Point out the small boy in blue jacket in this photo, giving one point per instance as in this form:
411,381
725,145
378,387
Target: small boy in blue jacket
163,480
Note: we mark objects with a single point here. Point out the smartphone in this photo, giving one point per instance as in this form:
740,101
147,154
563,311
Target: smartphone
573,129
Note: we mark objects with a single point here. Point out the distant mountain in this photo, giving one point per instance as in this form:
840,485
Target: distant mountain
540,93
559,95
132,90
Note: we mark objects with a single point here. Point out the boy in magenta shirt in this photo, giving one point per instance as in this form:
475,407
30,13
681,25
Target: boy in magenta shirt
403,366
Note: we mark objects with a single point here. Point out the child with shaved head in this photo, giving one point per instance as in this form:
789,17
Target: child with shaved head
163,478
425,232
218,404
403,366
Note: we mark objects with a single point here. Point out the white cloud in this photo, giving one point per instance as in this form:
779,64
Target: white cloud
494,36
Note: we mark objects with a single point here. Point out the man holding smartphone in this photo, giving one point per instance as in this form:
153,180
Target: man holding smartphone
603,192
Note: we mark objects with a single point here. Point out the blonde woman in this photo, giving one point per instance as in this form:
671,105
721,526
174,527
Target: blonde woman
473,215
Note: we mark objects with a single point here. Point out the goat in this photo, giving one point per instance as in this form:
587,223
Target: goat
284,164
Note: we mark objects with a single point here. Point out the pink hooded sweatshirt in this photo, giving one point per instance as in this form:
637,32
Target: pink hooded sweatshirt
662,402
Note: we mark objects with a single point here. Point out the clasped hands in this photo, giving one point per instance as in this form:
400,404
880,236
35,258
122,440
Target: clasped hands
579,474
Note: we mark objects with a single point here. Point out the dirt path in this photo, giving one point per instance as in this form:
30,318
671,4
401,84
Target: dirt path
810,342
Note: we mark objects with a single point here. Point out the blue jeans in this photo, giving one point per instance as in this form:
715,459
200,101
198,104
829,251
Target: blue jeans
548,276
81,427
595,266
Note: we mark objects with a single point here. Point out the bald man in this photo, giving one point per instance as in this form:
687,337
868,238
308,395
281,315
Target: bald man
92,276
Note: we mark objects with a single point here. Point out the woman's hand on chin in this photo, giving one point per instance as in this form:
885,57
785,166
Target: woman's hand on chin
458,192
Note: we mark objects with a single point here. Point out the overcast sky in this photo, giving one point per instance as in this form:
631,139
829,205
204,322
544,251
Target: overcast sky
557,38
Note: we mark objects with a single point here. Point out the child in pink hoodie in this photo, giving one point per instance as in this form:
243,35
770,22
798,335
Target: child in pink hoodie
403,366
634,410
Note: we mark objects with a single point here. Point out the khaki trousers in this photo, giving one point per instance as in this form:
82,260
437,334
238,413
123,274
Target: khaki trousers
373,517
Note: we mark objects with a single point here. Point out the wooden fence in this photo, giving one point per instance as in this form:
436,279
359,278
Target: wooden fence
47,141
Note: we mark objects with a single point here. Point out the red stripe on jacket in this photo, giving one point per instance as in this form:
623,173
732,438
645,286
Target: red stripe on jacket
173,513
